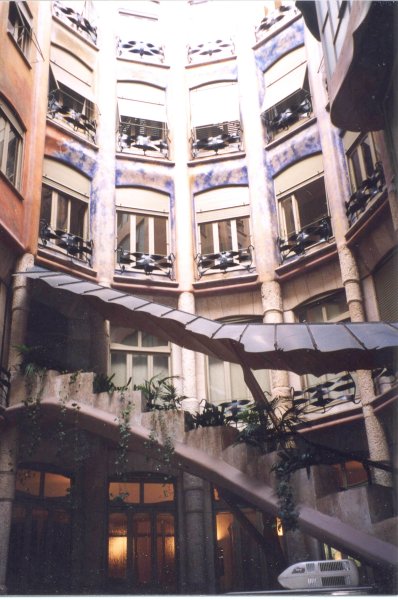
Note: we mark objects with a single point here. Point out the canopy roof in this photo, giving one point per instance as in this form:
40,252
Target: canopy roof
315,348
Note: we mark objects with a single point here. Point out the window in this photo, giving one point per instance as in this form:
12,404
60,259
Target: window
142,119
64,210
40,542
287,96
350,474
77,14
303,208
137,355
142,229
331,308
386,286
366,173
223,228
19,25
226,381
11,137
142,536
71,96
215,119
139,34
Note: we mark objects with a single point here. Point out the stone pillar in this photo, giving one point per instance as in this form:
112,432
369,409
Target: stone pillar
8,468
338,189
19,312
196,559
94,509
99,343
388,168
102,198
262,200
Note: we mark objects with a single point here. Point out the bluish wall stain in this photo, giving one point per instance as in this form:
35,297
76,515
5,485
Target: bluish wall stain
219,175
303,144
279,45
228,71
137,174
77,156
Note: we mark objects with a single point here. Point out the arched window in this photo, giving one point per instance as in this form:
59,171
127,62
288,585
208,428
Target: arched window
142,536
39,558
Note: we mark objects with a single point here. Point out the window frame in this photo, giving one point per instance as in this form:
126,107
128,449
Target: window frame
357,150
233,220
70,199
21,32
11,125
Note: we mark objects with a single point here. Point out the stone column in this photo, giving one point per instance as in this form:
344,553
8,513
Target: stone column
262,199
8,468
195,530
102,198
19,312
99,343
94,498
337,187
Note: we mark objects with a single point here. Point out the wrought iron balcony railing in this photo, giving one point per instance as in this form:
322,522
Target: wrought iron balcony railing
129,48
65,242
297,243
75,20
73,111
5,377
208,49
284,12
145,262
222,261
287,113
367,191
142,136
209,139
324,395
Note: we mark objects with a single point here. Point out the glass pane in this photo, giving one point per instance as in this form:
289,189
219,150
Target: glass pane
158,492
160,235
123,335
311,202
2,136
262,376
356,169
119,368
28,482
206,238
161,365
117,557
45,211
123,231
142,234
243,232
117,524
313,314
224,551
217,391
128,492
239,390
225,235
142,550
140,368
165,548
56,486
62,212
151,341
288,214
336,308
12,155
367,156
77,217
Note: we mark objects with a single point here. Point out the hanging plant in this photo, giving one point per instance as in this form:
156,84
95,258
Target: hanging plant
124,434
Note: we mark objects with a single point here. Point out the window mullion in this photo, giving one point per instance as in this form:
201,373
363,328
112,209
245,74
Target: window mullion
133,234
296,213
54,209
234,235
151,235
216,237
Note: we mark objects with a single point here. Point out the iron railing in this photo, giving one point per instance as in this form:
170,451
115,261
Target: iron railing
222,261
145,262
66,242
297,243
323,395
143,136
5,377
75,112
284,12
75,20
363,196
208,49
209,139
287,113
129,48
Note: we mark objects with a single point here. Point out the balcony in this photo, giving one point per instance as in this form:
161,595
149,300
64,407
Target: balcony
275,19
4,389
297,243
130,48
225,260
369,189
211,139
288,113
206,50
78,21
142,136
74,111
148,263
322,396
64,242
